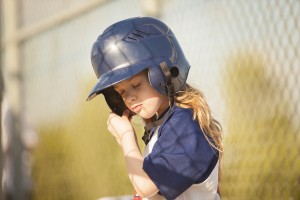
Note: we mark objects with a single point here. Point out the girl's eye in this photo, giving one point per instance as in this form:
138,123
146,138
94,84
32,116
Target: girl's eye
136,85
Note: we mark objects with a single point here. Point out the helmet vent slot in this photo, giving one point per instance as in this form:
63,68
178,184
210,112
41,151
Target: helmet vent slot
137,35
131,38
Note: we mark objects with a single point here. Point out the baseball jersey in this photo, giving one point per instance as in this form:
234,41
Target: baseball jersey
180,161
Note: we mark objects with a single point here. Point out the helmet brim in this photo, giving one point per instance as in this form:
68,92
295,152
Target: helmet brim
117,75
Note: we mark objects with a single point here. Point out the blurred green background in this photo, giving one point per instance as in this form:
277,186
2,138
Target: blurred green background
244,56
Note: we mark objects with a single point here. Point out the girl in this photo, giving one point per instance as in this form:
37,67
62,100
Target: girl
142,70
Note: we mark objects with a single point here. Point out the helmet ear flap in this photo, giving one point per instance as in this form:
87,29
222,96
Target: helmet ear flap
157,79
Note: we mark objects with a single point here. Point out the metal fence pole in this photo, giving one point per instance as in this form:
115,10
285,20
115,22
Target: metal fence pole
1,92
29,31
13,91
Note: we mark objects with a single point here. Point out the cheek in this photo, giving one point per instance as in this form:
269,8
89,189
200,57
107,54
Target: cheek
150,107
153,102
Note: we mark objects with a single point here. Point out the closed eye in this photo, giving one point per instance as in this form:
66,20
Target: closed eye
136,85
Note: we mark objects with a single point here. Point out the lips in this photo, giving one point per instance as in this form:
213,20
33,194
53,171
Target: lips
136,108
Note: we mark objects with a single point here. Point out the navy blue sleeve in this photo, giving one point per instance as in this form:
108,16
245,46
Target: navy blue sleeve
181,156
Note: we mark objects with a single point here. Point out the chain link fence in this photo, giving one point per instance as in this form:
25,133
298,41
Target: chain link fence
244,56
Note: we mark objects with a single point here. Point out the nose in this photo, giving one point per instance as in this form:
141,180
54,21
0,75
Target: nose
129,97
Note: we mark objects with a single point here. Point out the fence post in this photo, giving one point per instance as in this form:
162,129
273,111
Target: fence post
1,92
13,91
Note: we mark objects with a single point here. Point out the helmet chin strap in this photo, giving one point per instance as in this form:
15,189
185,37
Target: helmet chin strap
170,92
148,128
169,85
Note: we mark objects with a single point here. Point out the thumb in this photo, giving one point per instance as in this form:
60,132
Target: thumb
126,113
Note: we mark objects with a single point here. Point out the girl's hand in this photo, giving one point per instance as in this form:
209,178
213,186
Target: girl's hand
119,126
122,130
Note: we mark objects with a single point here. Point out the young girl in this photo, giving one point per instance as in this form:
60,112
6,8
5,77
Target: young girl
142,70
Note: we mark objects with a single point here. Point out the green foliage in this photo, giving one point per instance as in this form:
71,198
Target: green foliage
261,158
79,158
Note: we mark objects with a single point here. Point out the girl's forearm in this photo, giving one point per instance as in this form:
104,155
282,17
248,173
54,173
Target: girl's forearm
143,185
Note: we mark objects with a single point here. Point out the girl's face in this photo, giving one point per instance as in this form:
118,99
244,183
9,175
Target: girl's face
140,97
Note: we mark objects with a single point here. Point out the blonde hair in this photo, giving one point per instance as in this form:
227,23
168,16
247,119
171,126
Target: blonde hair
190,97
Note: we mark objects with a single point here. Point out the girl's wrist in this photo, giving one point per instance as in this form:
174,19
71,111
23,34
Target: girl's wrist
128,143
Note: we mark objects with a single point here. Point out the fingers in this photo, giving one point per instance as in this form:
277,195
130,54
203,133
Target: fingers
119,126
110,127
111,116
126,113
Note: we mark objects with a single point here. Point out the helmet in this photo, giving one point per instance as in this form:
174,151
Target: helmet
130,46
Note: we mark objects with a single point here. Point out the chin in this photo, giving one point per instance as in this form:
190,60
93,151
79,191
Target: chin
146,115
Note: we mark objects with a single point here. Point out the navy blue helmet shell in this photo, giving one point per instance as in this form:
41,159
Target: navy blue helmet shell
132,45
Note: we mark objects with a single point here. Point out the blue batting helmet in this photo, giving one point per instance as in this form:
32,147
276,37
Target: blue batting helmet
130,46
